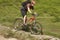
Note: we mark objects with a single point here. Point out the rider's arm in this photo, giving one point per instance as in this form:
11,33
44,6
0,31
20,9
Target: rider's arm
28,8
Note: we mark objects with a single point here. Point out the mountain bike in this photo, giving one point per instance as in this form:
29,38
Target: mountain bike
32,26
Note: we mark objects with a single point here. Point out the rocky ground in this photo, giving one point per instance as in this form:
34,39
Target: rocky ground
10,34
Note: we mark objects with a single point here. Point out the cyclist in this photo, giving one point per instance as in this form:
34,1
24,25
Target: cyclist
26,7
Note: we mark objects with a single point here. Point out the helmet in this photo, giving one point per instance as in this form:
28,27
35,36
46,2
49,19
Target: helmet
33,2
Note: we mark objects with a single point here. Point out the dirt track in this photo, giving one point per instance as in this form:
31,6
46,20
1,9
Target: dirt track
39,37
3,38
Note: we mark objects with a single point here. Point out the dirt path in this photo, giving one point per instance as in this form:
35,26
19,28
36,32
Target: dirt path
3,38
45,37
4,29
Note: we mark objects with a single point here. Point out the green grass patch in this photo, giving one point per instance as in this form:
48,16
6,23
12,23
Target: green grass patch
10,9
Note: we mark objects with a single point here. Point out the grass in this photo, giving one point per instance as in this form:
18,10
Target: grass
50,27
10,9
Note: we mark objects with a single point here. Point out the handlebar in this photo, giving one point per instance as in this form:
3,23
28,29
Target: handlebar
34,14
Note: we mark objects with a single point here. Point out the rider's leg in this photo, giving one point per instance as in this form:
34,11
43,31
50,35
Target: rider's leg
24,13
25,19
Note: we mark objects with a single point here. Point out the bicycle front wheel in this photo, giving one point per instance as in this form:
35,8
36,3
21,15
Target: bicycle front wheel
18,23
37,28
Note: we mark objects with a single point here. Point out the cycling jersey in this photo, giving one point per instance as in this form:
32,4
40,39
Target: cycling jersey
24,5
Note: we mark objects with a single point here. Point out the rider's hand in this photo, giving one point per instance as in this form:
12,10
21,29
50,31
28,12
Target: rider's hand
34,13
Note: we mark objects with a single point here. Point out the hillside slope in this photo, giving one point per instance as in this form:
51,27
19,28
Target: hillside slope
48,11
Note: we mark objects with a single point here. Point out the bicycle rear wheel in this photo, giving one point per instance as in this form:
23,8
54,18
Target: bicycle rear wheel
37,28
18,23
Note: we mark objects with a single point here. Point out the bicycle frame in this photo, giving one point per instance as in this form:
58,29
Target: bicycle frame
31,24
33,18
